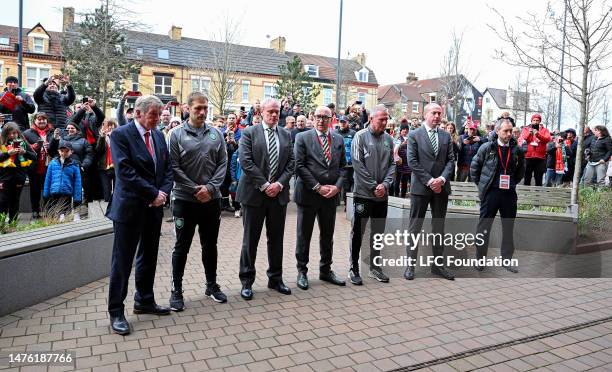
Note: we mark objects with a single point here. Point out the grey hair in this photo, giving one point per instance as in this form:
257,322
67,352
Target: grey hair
501,121
378,108
270,101
145,103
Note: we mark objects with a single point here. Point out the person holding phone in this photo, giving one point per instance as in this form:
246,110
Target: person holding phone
54,102
25,104
536,138
469,143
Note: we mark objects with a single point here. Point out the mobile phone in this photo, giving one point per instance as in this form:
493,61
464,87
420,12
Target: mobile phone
174,103
85,100
133,93
535,126
358,102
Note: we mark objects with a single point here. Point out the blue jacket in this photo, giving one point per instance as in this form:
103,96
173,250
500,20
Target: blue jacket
63,180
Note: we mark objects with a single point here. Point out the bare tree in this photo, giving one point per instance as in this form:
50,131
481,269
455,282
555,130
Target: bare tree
551,108
537,42
605,116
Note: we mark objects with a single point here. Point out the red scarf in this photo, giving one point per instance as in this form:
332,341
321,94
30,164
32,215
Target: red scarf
560,161
108,162
41,161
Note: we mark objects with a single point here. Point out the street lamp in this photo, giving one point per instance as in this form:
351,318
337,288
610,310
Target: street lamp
338,62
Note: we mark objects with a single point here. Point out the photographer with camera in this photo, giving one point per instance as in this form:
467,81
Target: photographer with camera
16,103
53,102
557,161
469,143
535,138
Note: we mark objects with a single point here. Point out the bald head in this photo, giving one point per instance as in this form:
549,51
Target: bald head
433,114
322,117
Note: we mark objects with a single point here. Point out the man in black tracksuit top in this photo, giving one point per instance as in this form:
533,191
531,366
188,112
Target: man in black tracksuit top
496,169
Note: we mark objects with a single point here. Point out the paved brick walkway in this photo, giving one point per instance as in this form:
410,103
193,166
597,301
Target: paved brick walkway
374,327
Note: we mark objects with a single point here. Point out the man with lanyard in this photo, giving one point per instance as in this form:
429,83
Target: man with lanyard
496,169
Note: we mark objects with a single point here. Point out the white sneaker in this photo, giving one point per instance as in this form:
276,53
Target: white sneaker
238,214
77,217
62,218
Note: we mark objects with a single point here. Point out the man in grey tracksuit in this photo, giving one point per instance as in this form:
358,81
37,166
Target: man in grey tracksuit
199,162
372,152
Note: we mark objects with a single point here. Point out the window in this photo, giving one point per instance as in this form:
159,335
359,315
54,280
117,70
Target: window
245,90
139,52
229,94
269,91
312,70
432,98
135,83
163,85
38,45
4,40
415,107
1,67
327,96
34,76
487,100
362,75
200,84
361,96
404,107
163,54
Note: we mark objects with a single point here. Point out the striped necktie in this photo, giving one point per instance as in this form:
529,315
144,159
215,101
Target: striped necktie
325,144
433,137
272,152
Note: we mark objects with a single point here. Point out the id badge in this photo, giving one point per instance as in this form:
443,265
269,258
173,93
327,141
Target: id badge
504,181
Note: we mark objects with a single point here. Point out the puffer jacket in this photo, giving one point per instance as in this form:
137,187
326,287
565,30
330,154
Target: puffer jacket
467,152
54,104
63,180
485,163
20,113
82,151
601,149
542,138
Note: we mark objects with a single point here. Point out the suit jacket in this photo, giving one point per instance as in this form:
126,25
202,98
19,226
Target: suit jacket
137,178
311,167
255,164
425,165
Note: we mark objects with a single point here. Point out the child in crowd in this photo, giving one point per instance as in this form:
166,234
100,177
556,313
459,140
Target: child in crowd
63,183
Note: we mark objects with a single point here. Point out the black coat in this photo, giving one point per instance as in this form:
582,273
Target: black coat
485,163
20,113
89,120
54,104
601,149
551,155
82,152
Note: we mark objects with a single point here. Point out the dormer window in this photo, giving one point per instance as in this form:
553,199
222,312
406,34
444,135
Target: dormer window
312,70
362,75
38,45
4,40
163,54
139,52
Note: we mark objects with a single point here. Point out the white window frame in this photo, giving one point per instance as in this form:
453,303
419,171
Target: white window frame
135,82
362,96
315,73
41,46
38,78
272,90
163,85
245,84
231,87
415,107
404,107
159,54
201,80
327,96
362,75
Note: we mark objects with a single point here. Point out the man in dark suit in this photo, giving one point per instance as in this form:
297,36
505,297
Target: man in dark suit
319,165
143,180
431,158
267,162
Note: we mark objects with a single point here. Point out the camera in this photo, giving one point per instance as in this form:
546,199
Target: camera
85,99
535,126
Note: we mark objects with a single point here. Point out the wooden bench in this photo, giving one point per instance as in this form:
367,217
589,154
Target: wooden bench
43,263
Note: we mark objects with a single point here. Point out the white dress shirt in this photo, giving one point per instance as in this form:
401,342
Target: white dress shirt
428,128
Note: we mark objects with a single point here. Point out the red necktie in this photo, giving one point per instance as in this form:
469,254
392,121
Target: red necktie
148,143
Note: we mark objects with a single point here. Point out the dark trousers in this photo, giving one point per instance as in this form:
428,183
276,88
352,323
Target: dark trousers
58,204
535,167
418,209
188,215
364,210
253,219
347,185
37,183
10,192
505,202
400,185
140,239
325,214
107,180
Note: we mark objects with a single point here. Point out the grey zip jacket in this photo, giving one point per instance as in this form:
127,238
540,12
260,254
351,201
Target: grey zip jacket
372,163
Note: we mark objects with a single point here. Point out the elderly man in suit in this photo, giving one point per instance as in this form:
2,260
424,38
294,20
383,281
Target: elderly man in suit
431,158
267,162
319,165
143,180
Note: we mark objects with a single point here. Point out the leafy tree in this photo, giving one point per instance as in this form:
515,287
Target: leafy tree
296,85
96,55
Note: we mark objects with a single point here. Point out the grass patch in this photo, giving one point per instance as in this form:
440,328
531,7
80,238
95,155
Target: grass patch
594,211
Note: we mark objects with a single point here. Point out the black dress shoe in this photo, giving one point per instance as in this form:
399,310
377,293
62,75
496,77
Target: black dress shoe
246,292
409,273
120,325
332,278
512,269
442,272
154,309
302,281
280,287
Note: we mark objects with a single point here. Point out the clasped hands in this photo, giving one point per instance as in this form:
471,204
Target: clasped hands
436,185
328,191
159,200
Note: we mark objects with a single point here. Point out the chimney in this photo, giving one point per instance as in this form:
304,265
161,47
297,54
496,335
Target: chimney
411,77
278,44
175,33
361,59
68,19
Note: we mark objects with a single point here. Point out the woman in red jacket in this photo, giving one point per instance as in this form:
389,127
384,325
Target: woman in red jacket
535,137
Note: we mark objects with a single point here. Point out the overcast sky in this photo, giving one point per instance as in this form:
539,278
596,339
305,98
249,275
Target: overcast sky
397,36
